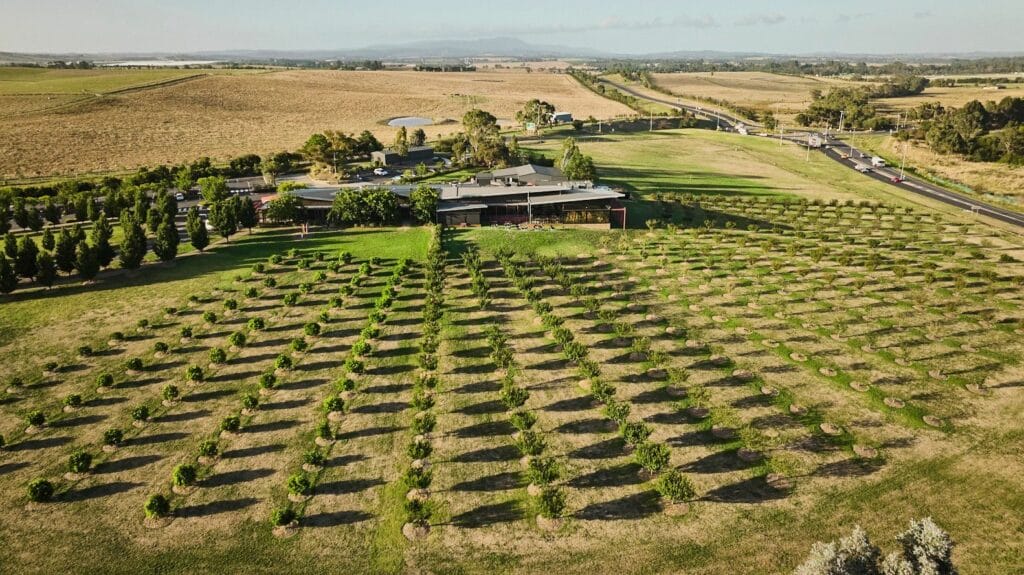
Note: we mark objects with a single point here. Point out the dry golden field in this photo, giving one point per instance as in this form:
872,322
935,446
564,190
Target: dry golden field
785,96
228,115
951,97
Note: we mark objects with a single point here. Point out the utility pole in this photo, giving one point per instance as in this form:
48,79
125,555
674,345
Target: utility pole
903,160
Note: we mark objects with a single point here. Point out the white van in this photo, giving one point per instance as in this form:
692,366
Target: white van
877,162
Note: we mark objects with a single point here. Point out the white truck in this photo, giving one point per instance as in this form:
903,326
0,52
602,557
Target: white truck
877,162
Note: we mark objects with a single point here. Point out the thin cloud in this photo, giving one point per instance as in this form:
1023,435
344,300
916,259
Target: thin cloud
761,20
922,15
612,23
846,18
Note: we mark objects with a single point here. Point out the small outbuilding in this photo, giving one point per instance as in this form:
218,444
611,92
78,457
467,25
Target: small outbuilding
391,157
561,118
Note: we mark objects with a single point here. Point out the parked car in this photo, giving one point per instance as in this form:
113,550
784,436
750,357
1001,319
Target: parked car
179,197
380,172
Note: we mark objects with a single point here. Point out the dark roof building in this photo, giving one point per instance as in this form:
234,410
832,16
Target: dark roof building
390,157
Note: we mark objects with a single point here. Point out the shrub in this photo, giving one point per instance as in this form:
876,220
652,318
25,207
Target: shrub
522,420
333,403
113,436
299,345
231,304
513,396
427,380
257,324
140,413
275,259
424,422
634,432
161,347
270,282
428,361
551,502
542,471
237,339
324,431
143,323
40,490
251,292
258,268
117,336
208,448
194,373
305,287
36,418
218,355
345,257
157,506
134,364
283,362
314,457
369,332
282,516
185,332
530,442
84,351
209,317
354,365
419,449
617,411
79,462
231,424
73,400
184,475
653,457
170,310
300,484
417,511
674,486
361,347
290,299
170,392
268,380
417,478
250,401
345,384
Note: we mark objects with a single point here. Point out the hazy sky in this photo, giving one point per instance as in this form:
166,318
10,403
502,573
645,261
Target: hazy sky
633,26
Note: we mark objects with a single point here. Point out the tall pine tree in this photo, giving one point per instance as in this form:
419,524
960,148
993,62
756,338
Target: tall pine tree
133,246
85,261
8,279
223,217
165,244
101,234
64,251
25,265
196,227
247,217
48,239
47,269
11,246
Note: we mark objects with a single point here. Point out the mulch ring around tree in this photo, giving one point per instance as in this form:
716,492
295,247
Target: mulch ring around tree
286,531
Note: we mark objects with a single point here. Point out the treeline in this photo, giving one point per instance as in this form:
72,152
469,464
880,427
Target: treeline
990,132
1009,65
444,68
853,105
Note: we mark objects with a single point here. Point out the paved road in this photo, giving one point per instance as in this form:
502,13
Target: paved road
885,175
727,121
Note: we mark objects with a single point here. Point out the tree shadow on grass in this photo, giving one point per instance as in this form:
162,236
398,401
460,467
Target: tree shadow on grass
635,506
383,407
102,490
390,370
105,401
616,476
235,477
488,454
369,432
270,426
183,416
752,490
78,421
206,395
344,486
239,376
584,426
473,369
281,405
11,467
253,451
483,408
303,384
155,438
215,507
388,388
335,518
504,512
485,429
126,464
343,460
34,444
497,482
606,449
848,468
581,403
718,462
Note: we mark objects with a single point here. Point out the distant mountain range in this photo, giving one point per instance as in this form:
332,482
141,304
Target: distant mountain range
500,47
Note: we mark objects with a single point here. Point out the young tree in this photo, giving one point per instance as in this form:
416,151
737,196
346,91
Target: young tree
402,142
285,208
165,244
367,143
5,216
101,233
423,203
48,240
20,214
317,149
11,245
26,264
852,554
133,245
184,180
64,251
927,550
418,138
8,279
86,262
247,216
52,211
223,218
166,204
196,227
214,189
270,168
46,269
153,219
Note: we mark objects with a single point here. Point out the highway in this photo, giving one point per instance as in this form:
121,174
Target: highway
837,150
